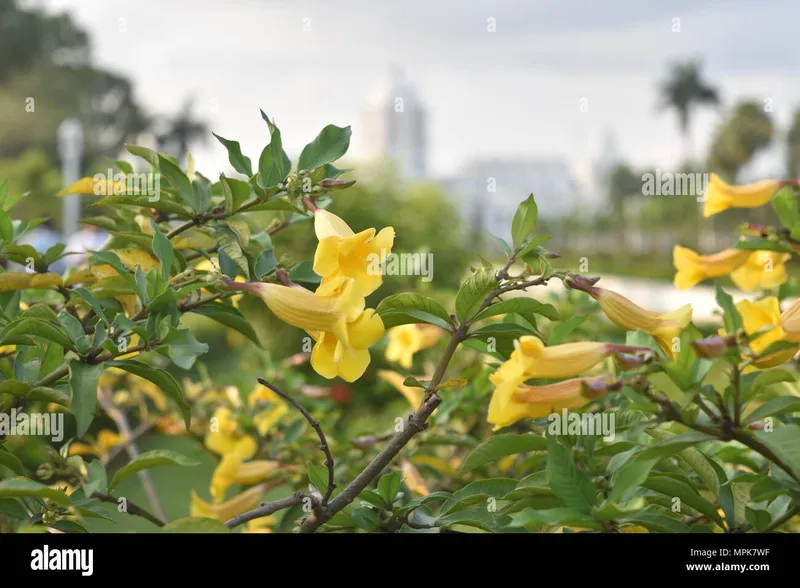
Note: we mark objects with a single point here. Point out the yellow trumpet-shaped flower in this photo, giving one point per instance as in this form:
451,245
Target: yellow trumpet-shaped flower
692,268
625,314
721,196
96,186
413,479
412,394
513,401
757,316
406,340
790,321
105,442
327,310
233,470
224,437
565,360
245,501
341,252
275,408
763,269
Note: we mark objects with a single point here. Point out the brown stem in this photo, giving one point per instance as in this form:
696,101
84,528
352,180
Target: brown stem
133,508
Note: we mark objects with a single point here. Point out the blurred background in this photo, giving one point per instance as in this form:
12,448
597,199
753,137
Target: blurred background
459,110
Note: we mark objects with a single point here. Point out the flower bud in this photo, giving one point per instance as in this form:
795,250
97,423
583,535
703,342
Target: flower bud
713,346
45,471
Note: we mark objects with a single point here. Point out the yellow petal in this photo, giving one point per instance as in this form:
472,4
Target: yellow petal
366,330
326,257
327,224
412,394
721,196
94,187
413,478
245,501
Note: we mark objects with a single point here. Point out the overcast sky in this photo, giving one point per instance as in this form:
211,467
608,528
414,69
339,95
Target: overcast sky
515,91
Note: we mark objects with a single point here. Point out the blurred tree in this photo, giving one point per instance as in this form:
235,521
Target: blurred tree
622,185
739,138
681,92
793,147
46,76
181,131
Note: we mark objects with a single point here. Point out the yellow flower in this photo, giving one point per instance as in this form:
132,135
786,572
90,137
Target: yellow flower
94,187
341,252
261,525
763,269
565,360
625,314
277,407
413,479
245,501
233,470
790,321
513,401
721,196
224,437
105,442
412,394
757,316
345,353
406,340
692,268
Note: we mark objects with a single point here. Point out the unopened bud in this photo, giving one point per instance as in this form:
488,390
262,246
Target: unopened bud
336,184
45,471
713,346
595,388
630,361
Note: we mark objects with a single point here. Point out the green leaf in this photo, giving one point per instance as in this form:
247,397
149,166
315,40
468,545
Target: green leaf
304,272
241,163
763,245
784,442
675,488
779,405
389,486
195,525
93,303
163,249
567,481
181,182
773,376
473,292
565,327
500,446
12,462
235,192
732,320
83,379
112,259
524,221
273,165
230,246
402,309
230,317
17,332
479,518
527,308
21,488
97,478
161,378
785,205
630,476
331,143
147,460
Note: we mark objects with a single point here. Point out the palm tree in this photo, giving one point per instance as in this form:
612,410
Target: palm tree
182,131
682,91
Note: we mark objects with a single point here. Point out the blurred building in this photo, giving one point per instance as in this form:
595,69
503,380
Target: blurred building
395,126
490,189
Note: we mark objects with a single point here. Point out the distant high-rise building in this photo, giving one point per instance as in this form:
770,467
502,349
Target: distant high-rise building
395,126
490,190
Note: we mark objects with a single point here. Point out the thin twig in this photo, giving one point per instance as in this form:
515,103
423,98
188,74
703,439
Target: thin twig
266,509
132,508
142,429
131,449
314,423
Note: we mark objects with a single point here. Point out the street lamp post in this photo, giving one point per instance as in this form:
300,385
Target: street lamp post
70,150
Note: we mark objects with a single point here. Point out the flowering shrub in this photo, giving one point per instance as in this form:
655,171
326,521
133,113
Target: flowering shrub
517,419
